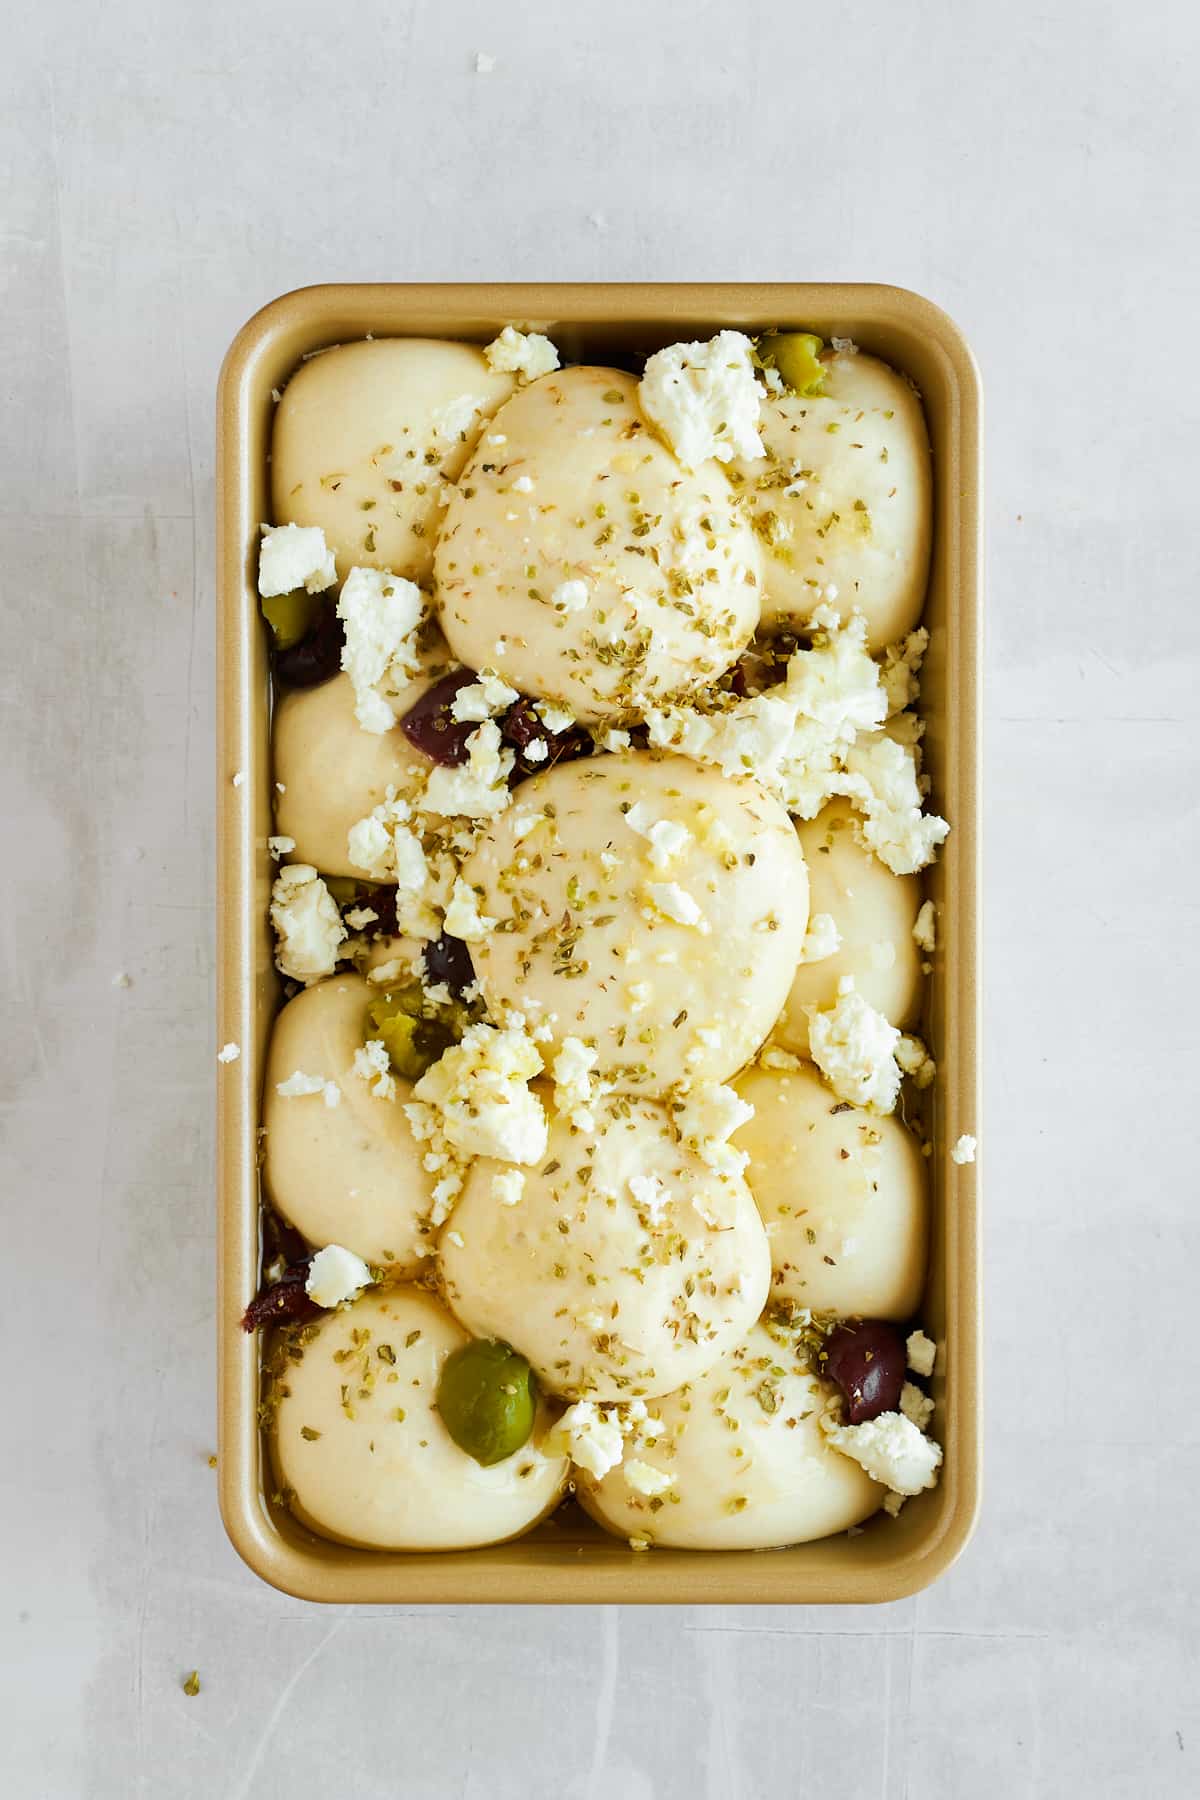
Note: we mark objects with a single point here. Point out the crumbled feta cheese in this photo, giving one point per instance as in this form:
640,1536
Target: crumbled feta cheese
299,1086
483,699
925,928
570,596
387,849
536,751
280,846
772,1057
463,918
844,346
576,1089
881,780
651,1196
382,614
668,898
525,354
229,1053
902,670
508,1186
821,940
666,837
964,1150
308,923
836,684
915,1061
891,1450
854,1048
374,1066
359,917
294,556
484,64
122,980
593,1438
706,1116
704,400
453,422
645,1479
238,777
477,788
335,1275
522,485
916,1405
892,1504
479,1091
614,739
555,718
921,1352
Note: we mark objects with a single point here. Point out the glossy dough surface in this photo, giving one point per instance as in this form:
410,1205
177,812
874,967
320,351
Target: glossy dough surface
874,911
349,1174
859,513
844,1194
577,1275
366,438
333,772
666,570
751,1468
583,946
370,1477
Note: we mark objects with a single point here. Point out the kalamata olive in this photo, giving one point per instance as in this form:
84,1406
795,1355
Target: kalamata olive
317,657
866,1358
362,897
522,727
448,959
431,726
283,1302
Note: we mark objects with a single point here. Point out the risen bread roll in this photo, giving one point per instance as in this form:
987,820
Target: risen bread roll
586,943
845,497
366,438
844,1194
348,1174
626,1267
359,1442
583,564
748,1465
874,911
333,773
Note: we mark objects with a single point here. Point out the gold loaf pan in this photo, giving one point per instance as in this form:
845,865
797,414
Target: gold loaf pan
567,1558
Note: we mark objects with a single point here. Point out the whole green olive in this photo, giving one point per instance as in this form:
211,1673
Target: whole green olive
413,1043
794,354
487,1397
291,616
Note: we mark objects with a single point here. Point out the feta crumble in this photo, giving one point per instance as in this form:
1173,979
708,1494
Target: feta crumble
463,918
299,1086
703,399
821,940
308,924
915,1061
373,1065
382,614
666,837
279,847
901,670
294,556
881,780
478,1090
964,1150
854,1048
925,928
706,1116
668,898
576,1089
555,718
477,788
921,1352
570,596
645,1479
508,1187
229,1053
525,354
483,699
650,1196
916,1405
336,1275
484,64
891,1449
614,739
592,1437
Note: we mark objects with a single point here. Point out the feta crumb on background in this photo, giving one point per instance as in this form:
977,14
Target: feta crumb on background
592,1437
374,1066
921,1352
915,1061
508,1186
706,1116
229,1053
704,399
294,556
916,1405
483,699
666,837
925,928
645,1479
526,354
964,1150
821,940
463,918
122,980
308,923
335,1275
570,596
299,1086
280,847
891,1449
382,614
484,64
668,898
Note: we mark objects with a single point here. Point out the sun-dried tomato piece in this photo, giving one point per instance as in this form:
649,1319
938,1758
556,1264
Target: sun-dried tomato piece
283,1302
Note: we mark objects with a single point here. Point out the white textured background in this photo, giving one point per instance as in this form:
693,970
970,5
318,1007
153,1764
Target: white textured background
168,168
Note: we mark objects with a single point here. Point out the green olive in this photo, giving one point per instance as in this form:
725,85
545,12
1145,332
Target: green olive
291,616
487,1397
794,354
344,888
413,1043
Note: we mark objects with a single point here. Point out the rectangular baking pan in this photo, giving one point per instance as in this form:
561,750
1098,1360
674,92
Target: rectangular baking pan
573,1560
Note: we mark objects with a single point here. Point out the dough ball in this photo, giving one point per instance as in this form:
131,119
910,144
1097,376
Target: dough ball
845,497
333,772
585,942
844,1195
626,1267
748,1464
580,561
348,1174
366,438
359,1442
874,911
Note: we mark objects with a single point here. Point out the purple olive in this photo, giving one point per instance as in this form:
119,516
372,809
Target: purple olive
522,727
317,657
284,1302
866,1359
379,900
431,726
448,959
